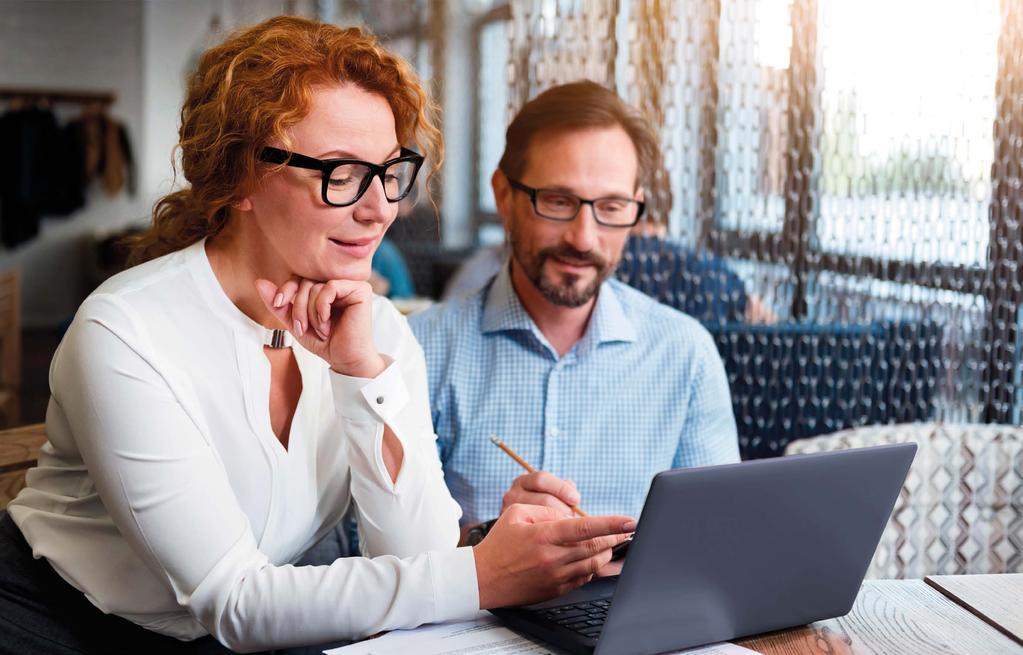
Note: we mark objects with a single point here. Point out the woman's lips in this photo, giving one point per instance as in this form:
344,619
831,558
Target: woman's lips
358,248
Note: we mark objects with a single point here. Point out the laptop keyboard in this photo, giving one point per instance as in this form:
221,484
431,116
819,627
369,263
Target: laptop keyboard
586,618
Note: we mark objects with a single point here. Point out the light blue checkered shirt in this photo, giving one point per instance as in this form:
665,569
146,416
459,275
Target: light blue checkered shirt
644,390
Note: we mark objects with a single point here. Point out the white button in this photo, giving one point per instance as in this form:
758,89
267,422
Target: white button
553,432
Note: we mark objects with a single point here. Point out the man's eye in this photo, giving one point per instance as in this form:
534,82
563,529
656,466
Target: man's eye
613,206
340,182
558,201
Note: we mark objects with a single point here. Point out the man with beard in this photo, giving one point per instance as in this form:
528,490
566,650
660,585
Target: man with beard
592,382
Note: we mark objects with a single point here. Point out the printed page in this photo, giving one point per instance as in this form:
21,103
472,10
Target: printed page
485,635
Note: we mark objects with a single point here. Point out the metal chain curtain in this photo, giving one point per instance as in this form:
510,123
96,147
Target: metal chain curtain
840,198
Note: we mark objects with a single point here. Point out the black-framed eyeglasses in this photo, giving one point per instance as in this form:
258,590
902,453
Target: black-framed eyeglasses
612,211
346,180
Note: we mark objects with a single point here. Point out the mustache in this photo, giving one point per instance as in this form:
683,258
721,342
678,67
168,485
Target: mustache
570,254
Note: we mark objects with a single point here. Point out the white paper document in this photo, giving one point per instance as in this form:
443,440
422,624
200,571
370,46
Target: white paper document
483,634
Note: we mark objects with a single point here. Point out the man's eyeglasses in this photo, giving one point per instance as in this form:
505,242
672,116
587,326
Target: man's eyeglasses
346,180
563,206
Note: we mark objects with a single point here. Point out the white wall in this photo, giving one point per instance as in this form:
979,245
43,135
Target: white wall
140,51
457,203
79,46
172,34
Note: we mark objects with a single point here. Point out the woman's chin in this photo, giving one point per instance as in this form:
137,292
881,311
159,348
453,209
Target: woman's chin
354,273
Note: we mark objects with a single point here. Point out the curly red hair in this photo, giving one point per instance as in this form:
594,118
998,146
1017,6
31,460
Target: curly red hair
247,92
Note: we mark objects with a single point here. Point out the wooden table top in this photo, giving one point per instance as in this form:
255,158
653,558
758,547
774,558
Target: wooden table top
996,599
19,447
906,617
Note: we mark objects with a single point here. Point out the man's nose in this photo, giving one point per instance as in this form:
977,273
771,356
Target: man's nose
583,230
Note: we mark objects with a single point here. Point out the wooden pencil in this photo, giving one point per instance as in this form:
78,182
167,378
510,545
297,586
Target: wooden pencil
524,464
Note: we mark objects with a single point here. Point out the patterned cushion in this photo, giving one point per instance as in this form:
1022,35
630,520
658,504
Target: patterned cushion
961,509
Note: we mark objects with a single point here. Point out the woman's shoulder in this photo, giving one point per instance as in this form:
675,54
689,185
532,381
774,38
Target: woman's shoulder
154,290
162,270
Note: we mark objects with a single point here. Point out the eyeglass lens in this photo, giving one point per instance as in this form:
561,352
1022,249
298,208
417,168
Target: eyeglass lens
347,181
612,211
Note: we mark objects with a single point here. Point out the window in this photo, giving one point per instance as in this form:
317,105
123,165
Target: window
492,108
491,52
871,143
753,94
906,142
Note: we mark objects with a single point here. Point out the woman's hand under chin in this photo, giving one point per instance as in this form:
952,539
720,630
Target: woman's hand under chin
332,319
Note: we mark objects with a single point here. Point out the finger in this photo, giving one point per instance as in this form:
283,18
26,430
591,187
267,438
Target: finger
350,292
321,302
267,291
542,500
590,548
571,530
287,291
611,569
316,322
544,482
300,306
583,568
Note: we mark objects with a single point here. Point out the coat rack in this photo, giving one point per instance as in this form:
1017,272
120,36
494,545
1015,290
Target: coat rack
104,98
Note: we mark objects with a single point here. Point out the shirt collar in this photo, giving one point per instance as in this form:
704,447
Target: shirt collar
503,311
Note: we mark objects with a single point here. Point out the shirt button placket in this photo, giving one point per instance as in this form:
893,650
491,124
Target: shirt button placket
551,430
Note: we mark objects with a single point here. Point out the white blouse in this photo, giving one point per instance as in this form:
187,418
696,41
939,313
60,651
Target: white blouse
165,497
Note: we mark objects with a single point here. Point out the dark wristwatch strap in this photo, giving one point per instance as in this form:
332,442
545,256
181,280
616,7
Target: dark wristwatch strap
478,532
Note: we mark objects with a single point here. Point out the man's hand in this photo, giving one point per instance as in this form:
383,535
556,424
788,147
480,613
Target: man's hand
543,489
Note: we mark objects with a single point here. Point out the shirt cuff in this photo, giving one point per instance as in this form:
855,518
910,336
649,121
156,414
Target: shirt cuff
377,399
455,587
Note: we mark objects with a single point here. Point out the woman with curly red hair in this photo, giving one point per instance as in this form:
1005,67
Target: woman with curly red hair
217,408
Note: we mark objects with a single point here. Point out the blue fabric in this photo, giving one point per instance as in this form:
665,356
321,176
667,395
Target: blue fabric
389,263
644,390
699,284
795,380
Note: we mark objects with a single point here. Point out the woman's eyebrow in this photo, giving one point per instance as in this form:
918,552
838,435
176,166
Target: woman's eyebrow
344,154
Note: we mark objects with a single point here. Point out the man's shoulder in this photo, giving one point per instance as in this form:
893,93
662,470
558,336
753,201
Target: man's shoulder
448,318
645,311
655,321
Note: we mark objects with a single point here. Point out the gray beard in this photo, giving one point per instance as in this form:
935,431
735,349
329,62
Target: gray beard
566,295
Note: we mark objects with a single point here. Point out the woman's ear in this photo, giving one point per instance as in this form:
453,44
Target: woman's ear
243,205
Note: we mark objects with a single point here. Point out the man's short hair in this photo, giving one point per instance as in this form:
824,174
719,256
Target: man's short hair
578,106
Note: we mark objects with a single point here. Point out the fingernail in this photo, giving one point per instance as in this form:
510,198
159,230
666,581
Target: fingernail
319,333
325,316
298,328
629,526
278,300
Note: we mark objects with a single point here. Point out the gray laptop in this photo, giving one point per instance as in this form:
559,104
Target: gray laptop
723,552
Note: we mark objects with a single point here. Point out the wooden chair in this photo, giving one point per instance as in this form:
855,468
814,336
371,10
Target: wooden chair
19,449
10,348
